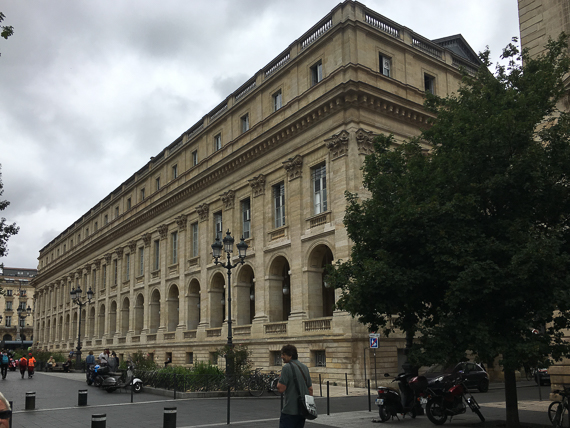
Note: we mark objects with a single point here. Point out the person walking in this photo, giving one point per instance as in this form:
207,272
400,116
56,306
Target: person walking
290,414
4,362
31,365
23,366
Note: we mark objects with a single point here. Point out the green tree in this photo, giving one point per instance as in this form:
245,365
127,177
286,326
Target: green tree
470,245
7,30
6,230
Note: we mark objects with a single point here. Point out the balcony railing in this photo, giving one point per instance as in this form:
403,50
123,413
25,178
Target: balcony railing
190,334
151,337
243,330
214,332
276,328
317,324
169,336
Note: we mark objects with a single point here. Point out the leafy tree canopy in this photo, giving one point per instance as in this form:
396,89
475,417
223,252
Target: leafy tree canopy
470,245
5,30
6,230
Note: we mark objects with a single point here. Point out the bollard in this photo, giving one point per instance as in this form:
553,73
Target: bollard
346,382
369,403
99,421
320,384
169,417
328,398
30,401
82,397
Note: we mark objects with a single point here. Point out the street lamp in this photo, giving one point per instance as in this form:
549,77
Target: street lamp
228,246
22,314
76,297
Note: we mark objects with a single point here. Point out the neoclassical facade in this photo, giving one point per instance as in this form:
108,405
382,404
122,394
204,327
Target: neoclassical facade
270,163
16,326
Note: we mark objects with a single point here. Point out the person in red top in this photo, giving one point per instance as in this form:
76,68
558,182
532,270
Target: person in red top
31,365
23,366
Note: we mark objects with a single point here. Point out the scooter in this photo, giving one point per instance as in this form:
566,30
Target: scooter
390,402
96,374
114,382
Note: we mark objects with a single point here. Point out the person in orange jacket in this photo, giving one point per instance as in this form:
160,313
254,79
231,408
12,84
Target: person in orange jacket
23,366
31,365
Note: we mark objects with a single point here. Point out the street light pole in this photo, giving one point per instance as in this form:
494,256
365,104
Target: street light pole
76,297
228,246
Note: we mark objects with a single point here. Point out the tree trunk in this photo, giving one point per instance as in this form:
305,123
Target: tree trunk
511,399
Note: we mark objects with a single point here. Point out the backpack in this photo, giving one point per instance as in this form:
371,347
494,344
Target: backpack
5,359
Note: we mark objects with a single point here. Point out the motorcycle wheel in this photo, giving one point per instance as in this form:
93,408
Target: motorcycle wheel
383,413
98,381
435,412
138,387
475,408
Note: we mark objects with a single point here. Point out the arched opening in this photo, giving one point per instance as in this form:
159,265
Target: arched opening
101,321
66,328
84,323
91,332
113,319
279,290
193,305
154,311
7,337
139,313
125,316
217,300
173,308
321,297
60,329
245,296
74,326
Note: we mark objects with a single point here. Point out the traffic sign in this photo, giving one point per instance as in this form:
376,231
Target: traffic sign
374,342
376,335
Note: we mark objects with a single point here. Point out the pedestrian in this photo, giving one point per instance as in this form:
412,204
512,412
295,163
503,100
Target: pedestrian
290,415
113,362
4,364
90,360
5,412
104,357
31,365
23,366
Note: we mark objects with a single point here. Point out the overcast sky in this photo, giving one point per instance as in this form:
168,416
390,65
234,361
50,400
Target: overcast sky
90,90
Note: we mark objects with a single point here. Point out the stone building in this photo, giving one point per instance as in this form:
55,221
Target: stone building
270,163
540,20
16,326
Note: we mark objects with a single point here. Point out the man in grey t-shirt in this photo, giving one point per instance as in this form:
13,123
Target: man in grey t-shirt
290,417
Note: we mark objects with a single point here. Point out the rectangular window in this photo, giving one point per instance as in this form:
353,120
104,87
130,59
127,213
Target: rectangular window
217,142
174,171
8,292
276,358
429,83
195,247
246,218
128,267
142,194
128,203
8,306
195,158
385,65
319,175
141,261
279,204
86,232
8,321
277,100
320,359
115,271
218,226
104,277
245,123
156,254
174,251
64,246
189,358
94,280
105,221
157,184
316,73
116,215
96,229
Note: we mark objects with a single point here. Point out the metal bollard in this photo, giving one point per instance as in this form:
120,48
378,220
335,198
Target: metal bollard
328,398
169,417
82,397
30,401
99,421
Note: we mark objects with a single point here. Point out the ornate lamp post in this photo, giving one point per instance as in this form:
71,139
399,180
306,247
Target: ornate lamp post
22,314
76,297
228,246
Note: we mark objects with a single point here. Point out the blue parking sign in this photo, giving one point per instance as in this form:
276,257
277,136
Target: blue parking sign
374,342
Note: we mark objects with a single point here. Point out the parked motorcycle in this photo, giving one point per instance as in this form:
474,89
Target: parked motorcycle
450,400
116,381
96,374
390,402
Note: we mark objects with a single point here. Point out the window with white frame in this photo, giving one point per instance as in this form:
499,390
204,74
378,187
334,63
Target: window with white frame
246,218
245,123
156,265
174,171
195,241
217,142
316,73
218,228
8,321
279,204
157,184
141,261
277,100
429,83
319,176
9,305
174,247
195,158
385,65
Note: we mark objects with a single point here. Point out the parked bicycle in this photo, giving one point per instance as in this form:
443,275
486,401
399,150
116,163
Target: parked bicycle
558,410
260,382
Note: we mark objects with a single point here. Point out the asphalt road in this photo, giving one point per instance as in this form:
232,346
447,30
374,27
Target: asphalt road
56,405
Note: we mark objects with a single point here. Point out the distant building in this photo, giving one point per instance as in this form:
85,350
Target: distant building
270,163
18,293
